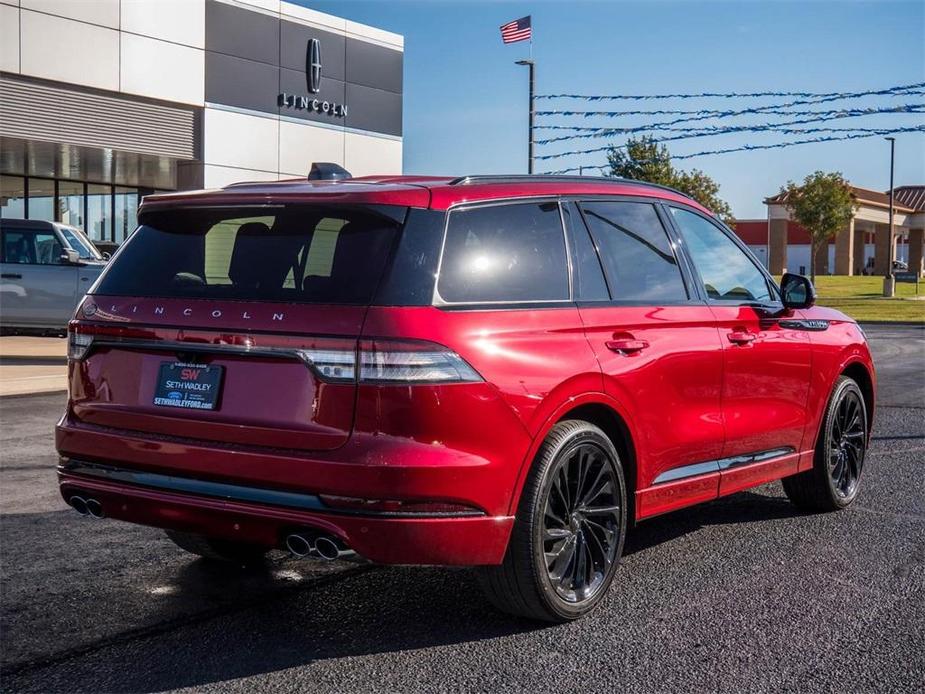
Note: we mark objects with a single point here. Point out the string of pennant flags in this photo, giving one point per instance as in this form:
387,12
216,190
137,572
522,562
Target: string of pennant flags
705,114
670,112
816,117
776,145
689,122
730,95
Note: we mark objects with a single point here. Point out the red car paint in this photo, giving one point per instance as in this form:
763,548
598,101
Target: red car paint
671,379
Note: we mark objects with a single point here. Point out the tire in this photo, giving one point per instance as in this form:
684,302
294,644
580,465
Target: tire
568,532
219,550
834,480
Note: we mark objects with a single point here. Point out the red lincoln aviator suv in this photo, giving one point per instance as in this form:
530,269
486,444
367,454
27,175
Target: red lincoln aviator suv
504,372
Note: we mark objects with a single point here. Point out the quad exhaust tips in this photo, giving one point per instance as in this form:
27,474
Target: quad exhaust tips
327,547
87,507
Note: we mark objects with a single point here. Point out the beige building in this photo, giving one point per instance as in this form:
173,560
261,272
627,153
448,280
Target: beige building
871,222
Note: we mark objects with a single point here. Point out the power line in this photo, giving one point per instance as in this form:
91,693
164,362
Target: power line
777,145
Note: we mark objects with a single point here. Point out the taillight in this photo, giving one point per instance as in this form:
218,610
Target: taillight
77,343
390,361
387,361
332,364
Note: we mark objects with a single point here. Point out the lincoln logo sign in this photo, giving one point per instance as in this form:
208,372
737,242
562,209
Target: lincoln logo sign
299,102
313,66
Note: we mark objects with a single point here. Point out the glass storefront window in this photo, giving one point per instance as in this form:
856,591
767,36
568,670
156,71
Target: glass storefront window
105,213
12,197
42,199
126,213
71,203
99,212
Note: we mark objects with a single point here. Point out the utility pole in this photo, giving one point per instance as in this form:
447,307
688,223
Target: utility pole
529,63
889,282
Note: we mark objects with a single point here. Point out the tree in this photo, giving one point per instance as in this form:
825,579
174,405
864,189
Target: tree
823,205
643,159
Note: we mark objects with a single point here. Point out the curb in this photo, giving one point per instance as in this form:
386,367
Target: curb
14,396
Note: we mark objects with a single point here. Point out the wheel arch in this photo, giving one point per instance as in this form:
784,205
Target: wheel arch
611,423
605,413
859,373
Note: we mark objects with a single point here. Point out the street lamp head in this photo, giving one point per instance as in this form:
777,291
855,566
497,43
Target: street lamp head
523,62
891,139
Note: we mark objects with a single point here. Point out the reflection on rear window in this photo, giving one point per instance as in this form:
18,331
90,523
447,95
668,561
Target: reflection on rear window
297,253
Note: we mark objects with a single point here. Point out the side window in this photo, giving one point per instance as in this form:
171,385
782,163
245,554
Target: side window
48,249
636,251
512,252
728,274
19,247
586,267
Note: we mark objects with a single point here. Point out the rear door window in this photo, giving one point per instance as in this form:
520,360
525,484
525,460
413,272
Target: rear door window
638,258
298,253
503,254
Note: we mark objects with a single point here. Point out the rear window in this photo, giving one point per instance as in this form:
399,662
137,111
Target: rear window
298,253
504,253
636,251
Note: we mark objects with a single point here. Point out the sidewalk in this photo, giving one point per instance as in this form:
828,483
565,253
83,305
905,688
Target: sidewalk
32,365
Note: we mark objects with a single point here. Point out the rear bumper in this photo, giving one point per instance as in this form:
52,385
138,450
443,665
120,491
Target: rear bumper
464,541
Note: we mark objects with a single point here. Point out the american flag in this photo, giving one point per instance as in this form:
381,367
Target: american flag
518,30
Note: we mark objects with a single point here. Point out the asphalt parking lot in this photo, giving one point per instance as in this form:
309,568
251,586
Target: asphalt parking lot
741,594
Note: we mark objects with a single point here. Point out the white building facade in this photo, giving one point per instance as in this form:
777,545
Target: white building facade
103,101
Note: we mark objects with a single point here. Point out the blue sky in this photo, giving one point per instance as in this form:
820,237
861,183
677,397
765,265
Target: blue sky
465,100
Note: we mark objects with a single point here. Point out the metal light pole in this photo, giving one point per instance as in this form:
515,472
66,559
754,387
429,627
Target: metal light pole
530,64
889,282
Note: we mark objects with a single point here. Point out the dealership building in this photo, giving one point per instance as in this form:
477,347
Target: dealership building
862,247
104,101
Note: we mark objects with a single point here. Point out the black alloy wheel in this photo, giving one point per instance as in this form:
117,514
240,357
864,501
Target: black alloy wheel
835,478
847,444
569,529
581,522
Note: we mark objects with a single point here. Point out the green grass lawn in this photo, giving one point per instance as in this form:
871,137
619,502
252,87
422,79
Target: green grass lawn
862,299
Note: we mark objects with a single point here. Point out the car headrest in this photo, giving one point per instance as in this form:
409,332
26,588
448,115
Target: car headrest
245,268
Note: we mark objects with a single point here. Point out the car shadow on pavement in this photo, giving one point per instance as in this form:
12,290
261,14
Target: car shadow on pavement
743,507
352,613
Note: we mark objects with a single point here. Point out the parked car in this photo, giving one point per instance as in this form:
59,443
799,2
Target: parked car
45,269
898,266
502,372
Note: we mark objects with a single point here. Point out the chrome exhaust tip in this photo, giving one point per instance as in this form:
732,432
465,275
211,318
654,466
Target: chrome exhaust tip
298,545
327,548
94,508
79,504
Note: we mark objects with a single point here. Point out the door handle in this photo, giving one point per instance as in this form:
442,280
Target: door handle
741,337
626,346
10,276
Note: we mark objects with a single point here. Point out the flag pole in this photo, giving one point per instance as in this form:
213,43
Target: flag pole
532,77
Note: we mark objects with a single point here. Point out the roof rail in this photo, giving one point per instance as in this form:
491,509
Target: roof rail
526,178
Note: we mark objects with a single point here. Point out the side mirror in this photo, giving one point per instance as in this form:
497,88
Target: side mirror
797,291
70,257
